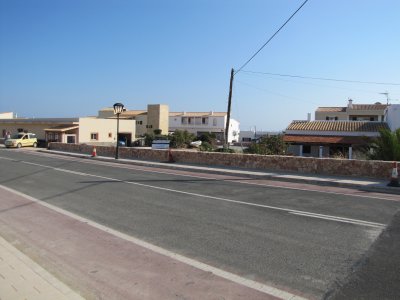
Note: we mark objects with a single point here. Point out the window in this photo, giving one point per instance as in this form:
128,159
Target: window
184,120
214,122
94,136
306,149
189,120
110,135
56,136
204,121
139,122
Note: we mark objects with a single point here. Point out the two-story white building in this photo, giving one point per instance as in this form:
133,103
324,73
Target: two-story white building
199,123
393,116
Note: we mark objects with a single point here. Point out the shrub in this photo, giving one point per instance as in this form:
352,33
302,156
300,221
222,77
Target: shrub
386,147
269,145
181,139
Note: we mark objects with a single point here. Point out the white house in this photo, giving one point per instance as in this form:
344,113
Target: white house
337,130
393,116
203,122
250,135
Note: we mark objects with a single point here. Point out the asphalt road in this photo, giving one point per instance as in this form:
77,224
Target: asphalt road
300,240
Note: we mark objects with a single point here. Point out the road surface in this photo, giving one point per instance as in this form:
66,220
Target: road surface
298,239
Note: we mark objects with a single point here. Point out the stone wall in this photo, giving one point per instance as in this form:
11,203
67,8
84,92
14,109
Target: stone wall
326,166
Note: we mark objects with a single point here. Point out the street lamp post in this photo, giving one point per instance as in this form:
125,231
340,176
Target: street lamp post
118,109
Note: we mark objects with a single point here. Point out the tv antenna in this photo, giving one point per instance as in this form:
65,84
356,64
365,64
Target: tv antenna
387,96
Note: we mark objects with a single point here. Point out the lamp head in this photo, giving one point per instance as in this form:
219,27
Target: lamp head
118,108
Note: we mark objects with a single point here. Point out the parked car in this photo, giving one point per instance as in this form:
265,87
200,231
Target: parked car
22,139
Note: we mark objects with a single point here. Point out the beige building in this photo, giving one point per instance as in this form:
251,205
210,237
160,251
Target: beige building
63,134
352,112
6,115
155,117
34,125
103,131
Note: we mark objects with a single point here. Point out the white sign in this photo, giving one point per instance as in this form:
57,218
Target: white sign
160,144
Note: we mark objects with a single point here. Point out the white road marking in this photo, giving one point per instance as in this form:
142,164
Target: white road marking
270,290
339,219
291,211
204,177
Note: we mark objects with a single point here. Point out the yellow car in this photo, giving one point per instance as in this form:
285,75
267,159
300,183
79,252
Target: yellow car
22,139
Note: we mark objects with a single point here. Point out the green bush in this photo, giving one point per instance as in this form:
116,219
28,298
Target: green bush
225,150
148,139
268,145
386,147
181,139
207,147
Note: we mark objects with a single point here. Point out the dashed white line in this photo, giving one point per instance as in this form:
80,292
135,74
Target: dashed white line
270,290
204,177
291,211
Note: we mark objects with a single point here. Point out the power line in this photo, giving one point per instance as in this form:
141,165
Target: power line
323,78
276,32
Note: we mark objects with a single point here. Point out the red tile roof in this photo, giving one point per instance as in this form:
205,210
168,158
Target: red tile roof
311,139
348,126
331,109
371,107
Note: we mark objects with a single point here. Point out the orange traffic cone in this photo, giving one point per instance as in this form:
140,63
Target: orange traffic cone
94,152
394,180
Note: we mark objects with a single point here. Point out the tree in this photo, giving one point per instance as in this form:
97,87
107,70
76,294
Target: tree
181,139
157,131
386,147
269,145
148,139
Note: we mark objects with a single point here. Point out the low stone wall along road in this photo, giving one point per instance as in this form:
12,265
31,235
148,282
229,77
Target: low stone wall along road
113,231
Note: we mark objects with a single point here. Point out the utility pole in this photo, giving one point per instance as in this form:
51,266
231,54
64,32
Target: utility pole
228,117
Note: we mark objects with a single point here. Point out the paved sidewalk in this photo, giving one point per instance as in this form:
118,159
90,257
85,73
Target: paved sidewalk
21,278
103,263
366,184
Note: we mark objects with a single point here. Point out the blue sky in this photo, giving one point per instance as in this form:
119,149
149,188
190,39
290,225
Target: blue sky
69,58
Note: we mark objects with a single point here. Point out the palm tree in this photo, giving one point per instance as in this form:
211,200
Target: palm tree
387,146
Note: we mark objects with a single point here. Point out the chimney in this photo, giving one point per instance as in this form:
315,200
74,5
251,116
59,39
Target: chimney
211,112
308,117
350,105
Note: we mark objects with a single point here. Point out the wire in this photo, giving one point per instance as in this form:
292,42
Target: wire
275,93
276,32
322,78
312,83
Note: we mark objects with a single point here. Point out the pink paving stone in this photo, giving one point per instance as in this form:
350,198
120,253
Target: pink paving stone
102,266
